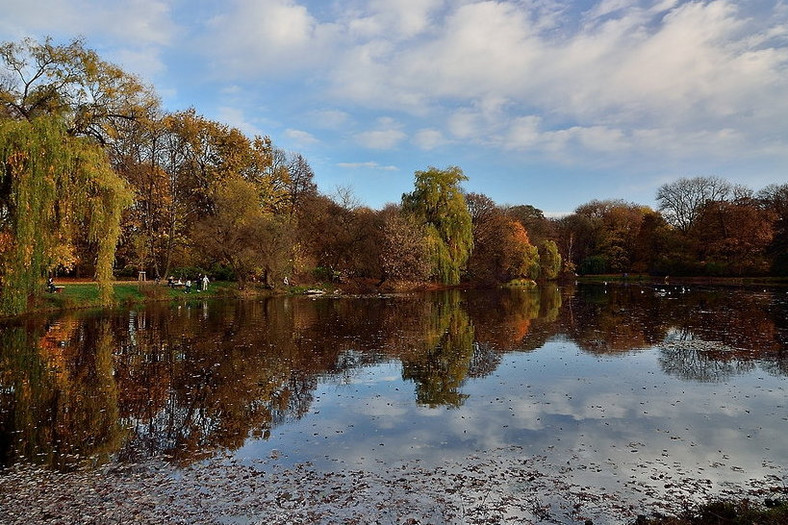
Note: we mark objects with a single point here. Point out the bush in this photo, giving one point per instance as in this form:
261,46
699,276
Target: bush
322,273
596,264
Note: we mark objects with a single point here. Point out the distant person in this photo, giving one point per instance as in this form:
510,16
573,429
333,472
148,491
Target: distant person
205,282
187,287
170,282
51,285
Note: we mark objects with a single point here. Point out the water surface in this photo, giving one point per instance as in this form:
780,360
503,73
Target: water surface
625,390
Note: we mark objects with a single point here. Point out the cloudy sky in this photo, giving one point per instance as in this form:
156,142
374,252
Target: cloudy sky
544,102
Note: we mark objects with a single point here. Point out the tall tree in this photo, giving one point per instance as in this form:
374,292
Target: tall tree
605,236
404,255
438,203
50,185
535,223
302,185
733,237
502,248
775,198
241,235
549,260
681,201
92,97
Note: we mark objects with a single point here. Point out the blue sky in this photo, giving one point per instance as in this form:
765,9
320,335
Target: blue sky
542,102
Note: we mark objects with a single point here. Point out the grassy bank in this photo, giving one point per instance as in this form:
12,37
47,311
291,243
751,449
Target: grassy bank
72,295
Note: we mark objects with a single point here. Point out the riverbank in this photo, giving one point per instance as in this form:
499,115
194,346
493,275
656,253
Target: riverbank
497,486
682,280
81,294
74,294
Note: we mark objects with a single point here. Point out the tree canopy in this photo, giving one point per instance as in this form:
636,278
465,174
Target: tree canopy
54,188
438,203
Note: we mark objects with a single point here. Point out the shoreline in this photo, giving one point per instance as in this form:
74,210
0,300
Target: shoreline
74,293
496,486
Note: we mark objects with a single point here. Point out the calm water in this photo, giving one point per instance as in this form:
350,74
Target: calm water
620,388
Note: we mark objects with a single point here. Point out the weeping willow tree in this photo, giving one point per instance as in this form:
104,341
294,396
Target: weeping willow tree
438,203
53,188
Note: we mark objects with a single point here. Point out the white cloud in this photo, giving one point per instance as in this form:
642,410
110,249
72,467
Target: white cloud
428,139
388,135
381,139
397,18
590,80
371,165
301,137
265,37
236,118
132,34
524,132
464,124
145,62
133,23
329,118
689,67
479,70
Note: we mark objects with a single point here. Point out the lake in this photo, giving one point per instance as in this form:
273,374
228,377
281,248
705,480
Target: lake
557,404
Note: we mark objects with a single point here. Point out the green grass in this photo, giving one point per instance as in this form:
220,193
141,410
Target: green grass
520,283
86,295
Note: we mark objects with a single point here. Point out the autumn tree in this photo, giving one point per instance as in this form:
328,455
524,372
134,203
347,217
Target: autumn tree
404,254
549,260
605,236
92,97
50,185
538,226
775,199
175,164
502,249
88,97
301,182
438,203
241,235
337,236
681,201
733,237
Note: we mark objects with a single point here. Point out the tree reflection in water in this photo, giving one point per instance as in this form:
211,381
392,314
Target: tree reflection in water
183,382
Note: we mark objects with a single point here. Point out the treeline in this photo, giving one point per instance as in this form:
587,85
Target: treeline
703,226
99,181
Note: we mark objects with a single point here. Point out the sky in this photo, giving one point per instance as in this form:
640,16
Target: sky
543,102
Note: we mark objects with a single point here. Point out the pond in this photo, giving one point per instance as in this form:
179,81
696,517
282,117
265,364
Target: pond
558,404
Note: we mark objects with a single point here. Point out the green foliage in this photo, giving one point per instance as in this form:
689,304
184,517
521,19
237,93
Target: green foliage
593,265
241,235
531,267
521,283
93,98
56,189
324,274
549,260
441,363
438,203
